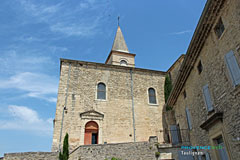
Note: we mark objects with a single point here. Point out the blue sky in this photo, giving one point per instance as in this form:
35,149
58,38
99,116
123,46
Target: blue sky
35,34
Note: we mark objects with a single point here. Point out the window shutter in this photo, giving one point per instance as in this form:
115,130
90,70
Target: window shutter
233,68
174,134
189,119
207,156
207,98
223,152
199,157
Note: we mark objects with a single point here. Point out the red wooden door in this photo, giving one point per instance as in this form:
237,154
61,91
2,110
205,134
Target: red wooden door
90,128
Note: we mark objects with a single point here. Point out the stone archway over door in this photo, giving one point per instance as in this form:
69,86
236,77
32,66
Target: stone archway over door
91,133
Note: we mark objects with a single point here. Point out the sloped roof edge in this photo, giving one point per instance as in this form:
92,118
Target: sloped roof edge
205,24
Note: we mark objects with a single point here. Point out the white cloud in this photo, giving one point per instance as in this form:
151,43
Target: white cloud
74,29
39,9
22,59
181,32
24,113
71,18
28,39
55,49
24,118
36,85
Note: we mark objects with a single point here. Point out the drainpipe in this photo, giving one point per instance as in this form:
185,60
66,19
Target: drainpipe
64,108
133,114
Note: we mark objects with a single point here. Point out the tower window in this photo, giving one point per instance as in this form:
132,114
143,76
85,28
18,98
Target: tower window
101,91
152,96
123,63
219,28
73,97
200,67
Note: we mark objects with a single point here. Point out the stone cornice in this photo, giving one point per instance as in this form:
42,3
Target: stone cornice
205,24
212,120
110,66
92,114
179,58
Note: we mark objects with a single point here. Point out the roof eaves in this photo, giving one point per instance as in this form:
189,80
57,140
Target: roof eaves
111,66
205,24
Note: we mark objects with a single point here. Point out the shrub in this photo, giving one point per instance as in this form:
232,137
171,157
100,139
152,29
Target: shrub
64,155
115,158
167,87
157,154
167,90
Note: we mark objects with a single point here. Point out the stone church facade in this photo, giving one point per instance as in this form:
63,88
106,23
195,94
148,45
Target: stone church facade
108,103
122,108
204,102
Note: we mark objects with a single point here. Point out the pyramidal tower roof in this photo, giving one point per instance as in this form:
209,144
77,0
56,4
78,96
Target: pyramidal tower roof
119,54
119,43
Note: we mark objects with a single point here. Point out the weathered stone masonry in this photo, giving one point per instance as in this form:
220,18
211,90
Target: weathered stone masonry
125,151
31,156
210,50
116,124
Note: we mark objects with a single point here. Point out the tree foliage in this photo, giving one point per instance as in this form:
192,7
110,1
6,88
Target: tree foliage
167,87
64,155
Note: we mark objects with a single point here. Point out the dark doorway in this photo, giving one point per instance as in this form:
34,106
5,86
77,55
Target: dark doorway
94,138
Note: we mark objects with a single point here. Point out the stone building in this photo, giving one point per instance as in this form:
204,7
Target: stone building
113,102
174,69
205,99
118,106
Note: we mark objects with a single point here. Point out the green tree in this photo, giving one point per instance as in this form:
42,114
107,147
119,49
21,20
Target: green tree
167,89
64,155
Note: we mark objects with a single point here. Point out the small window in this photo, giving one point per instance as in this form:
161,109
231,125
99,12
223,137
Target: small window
200,67
123,63
101,91
184,94
219,28
152,96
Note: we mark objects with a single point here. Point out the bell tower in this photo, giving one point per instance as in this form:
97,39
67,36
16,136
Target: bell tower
119,54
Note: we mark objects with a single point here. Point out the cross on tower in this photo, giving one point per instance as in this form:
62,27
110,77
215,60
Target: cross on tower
118,20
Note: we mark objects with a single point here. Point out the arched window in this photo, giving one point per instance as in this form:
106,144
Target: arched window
152,96
101,91
123,63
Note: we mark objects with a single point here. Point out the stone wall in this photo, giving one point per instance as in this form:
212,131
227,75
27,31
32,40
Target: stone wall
225,97
174,69
31,156
123,151
114,115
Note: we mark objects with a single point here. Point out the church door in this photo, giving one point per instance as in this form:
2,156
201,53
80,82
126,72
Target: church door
91,133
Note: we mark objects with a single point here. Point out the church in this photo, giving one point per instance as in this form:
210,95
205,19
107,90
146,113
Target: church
115,109
111,102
